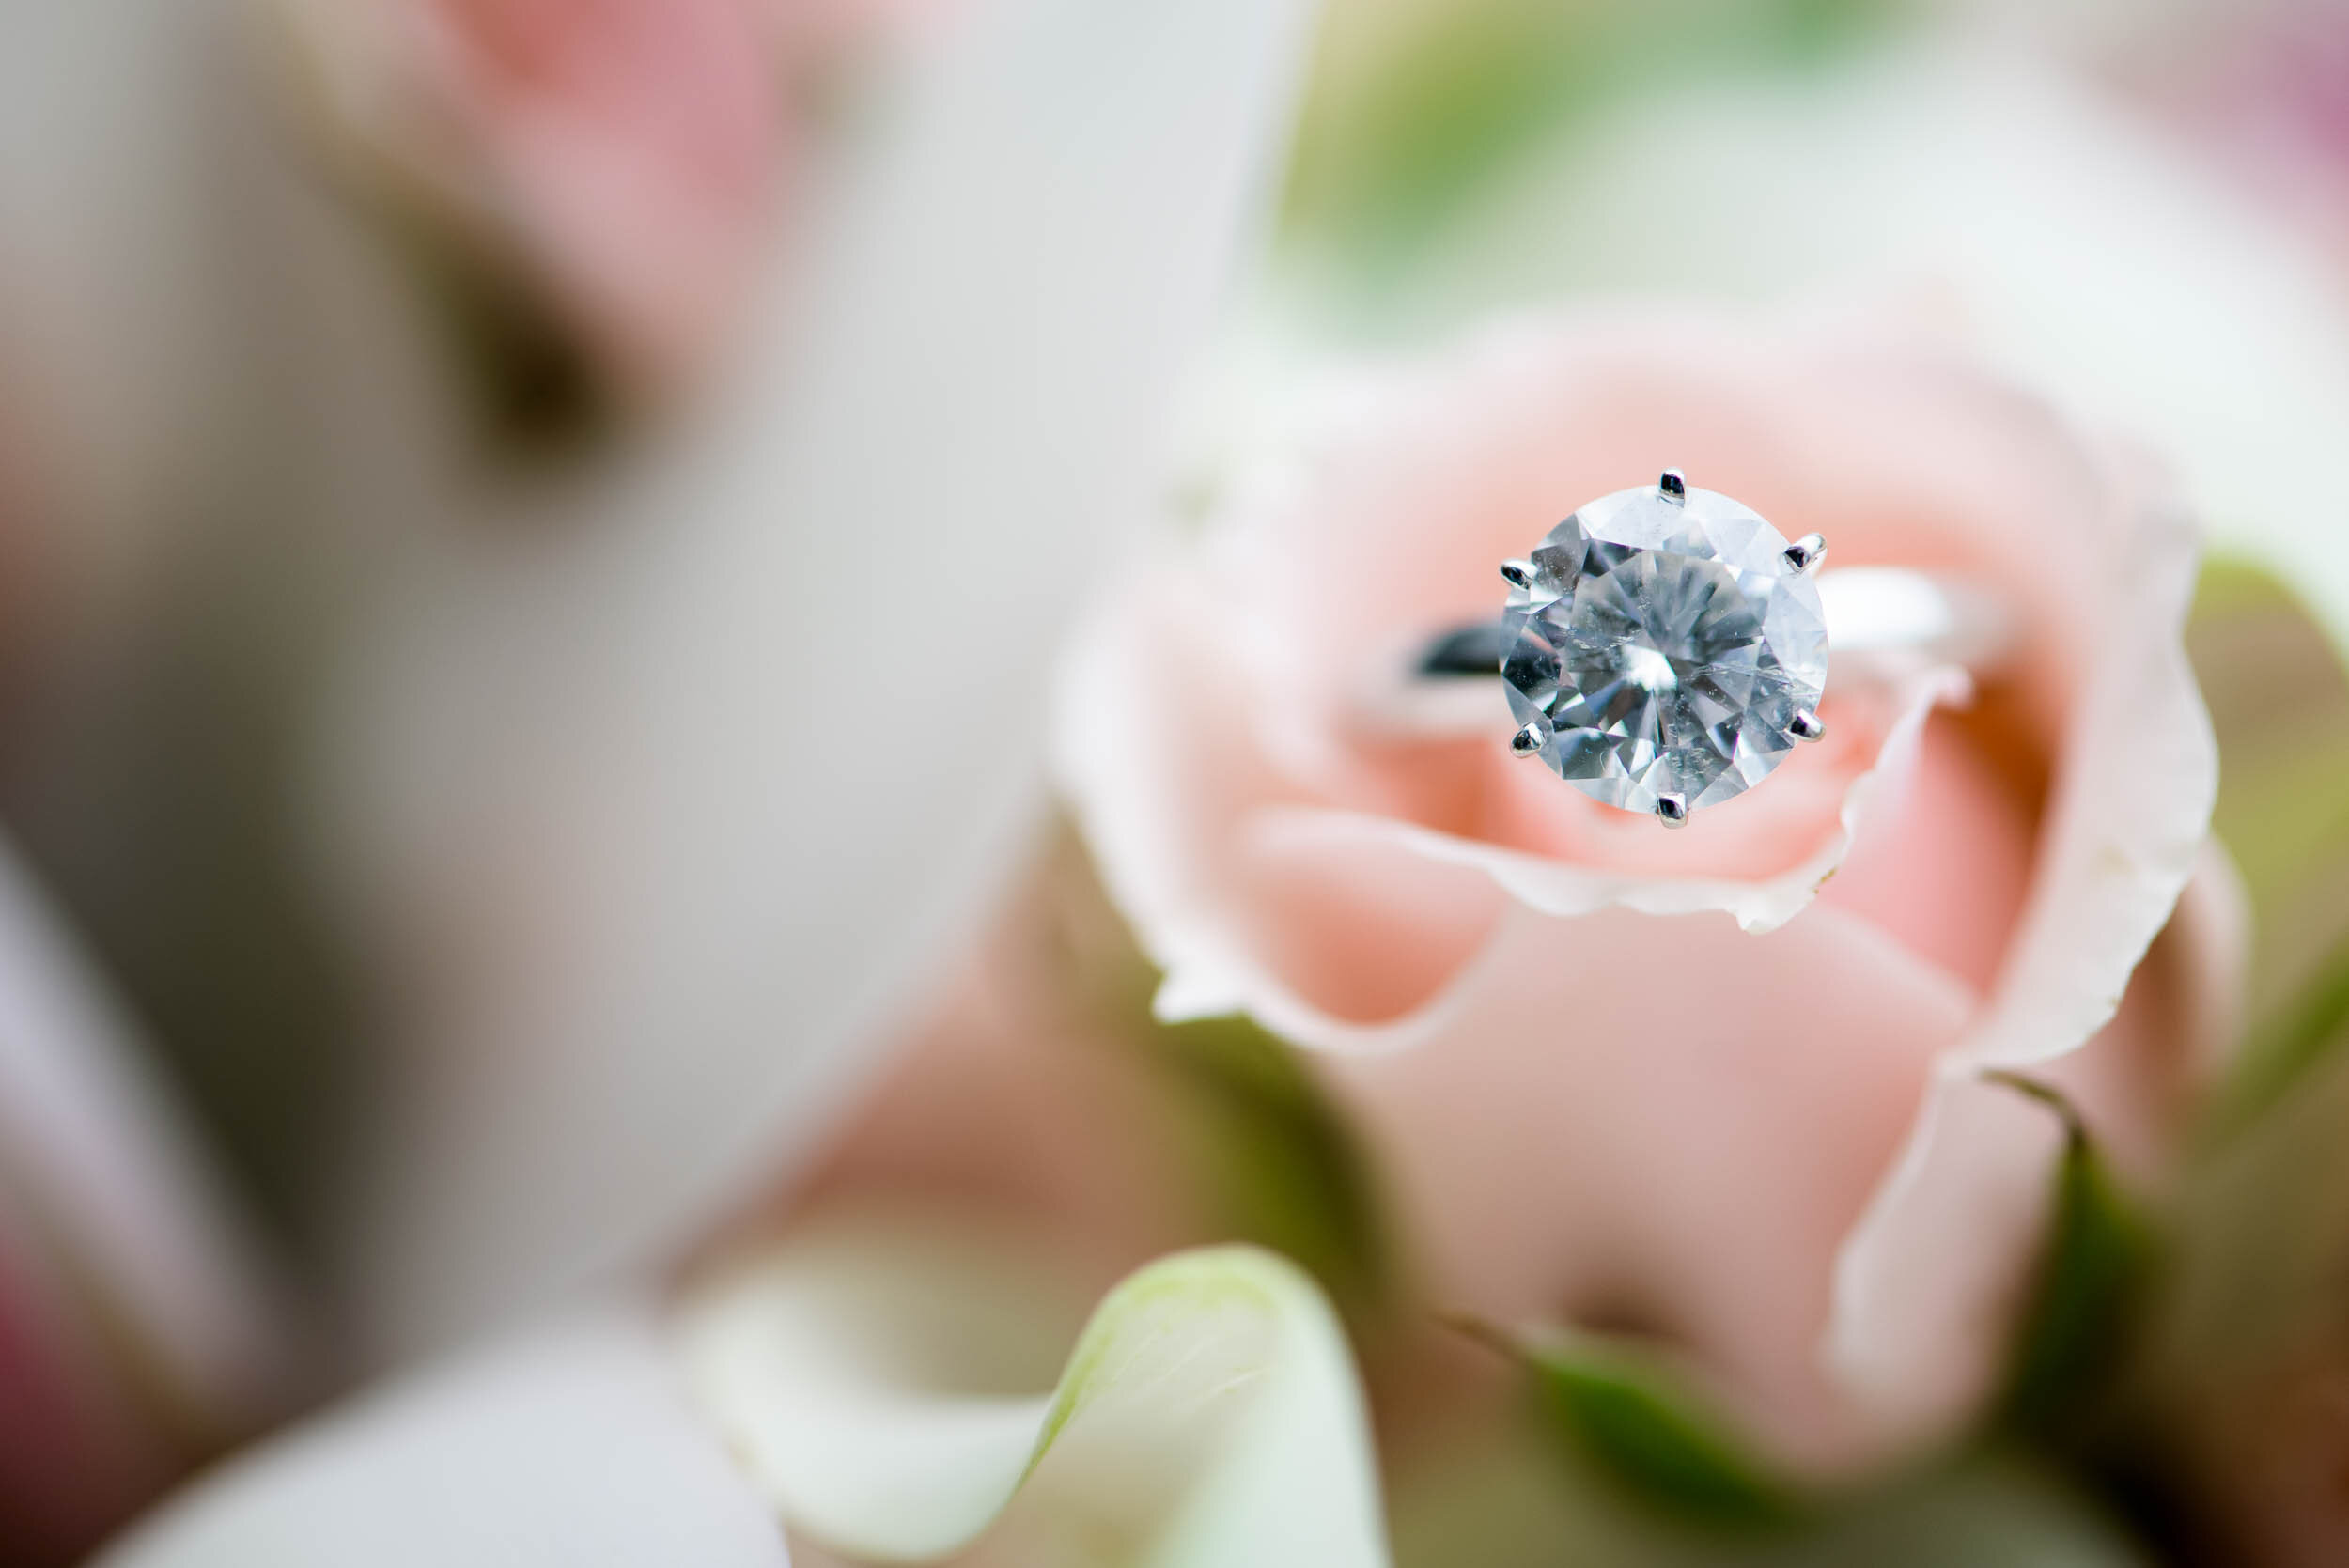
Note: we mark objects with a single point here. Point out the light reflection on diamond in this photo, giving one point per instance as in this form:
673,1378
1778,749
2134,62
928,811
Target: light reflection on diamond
1668,645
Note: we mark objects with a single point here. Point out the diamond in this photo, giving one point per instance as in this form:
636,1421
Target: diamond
1666,645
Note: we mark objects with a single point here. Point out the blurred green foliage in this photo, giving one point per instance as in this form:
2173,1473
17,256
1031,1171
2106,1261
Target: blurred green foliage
2284,1052
2240,1274
2278,697
1413,102
2258,1288
1510,1501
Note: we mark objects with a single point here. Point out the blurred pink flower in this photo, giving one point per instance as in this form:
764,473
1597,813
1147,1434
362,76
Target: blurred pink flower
2264,88
140,1329
1010,1099
1594,1097
622,159
76,1455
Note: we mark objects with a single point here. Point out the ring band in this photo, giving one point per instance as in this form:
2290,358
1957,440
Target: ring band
1884,623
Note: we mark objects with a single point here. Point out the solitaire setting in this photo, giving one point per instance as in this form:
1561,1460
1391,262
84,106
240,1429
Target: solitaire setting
1664,648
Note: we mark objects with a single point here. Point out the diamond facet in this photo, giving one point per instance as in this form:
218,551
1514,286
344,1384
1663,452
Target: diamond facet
1668,644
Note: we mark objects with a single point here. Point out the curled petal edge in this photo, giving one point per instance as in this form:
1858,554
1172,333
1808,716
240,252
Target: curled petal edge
1207,975
1210,1407
2125,832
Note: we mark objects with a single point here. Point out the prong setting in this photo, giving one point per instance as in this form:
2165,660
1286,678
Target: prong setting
1805,553
1806,725
1518,574
1530,740
1671,809
1673,486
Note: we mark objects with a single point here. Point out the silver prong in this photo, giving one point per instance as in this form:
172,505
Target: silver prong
1672,810
1673,486
1518,574
1531,739
1805,553
1806,725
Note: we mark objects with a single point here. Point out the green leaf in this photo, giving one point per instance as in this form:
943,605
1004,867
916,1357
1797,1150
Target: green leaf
880,1382
1502,1500
1638,1419
2078,1327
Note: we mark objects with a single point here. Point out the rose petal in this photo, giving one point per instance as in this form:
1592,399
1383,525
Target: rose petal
2124,829
1946,872
2138,773
1694,1120
1217,964
1566,887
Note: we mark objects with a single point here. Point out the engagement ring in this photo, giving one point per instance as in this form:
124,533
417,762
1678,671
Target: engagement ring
1665,647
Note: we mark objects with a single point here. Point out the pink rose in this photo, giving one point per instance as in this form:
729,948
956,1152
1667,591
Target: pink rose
621,159
1722,1086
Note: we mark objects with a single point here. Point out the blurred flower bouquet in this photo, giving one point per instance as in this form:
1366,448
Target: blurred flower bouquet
1339,1145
